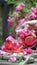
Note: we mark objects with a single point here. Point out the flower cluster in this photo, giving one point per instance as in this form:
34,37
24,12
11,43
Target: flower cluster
23,32
26,38
12,44
24,35
34,13
20,7
28,51
10,21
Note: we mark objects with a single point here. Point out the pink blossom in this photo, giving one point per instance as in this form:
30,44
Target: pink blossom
3,48
18,8
32,16
21,33
28,50
10,38
12,59
34,9
9,24
22,21
17,44
30,42
36,15
10,21
28,32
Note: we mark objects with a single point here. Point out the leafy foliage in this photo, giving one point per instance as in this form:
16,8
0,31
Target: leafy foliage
16,2
29,4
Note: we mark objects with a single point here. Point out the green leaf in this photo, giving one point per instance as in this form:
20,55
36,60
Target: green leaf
14,2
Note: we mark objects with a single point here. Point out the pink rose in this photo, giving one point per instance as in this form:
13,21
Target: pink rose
3,48
21,33
22,21
9,38
10,21
9,24
36,15
18,8
30,42
28,32
28,50
12,59
32,16
34,9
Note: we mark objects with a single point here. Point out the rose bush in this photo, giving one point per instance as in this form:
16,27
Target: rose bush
23,36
